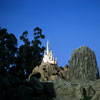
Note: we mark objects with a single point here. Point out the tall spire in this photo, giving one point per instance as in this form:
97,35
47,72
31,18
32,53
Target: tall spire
47,47
48,56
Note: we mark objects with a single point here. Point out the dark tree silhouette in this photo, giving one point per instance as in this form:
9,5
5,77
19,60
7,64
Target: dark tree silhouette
30,53
37,49
8,49
20,61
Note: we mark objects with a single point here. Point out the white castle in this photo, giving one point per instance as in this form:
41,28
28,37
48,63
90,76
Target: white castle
48,56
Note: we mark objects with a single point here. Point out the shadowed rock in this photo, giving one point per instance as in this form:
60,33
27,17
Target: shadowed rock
11,88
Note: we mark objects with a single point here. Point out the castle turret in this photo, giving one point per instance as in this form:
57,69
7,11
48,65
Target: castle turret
48,56
47,47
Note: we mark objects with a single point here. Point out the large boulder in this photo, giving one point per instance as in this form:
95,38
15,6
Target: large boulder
47,71
76,91
12,88
83,65
96,86
96,96
64,90
72,91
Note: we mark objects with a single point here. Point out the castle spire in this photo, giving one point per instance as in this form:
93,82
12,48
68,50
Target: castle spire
47,47
48,56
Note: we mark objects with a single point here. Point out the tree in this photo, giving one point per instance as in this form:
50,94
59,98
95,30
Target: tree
30,53
8,49
38,50
20,61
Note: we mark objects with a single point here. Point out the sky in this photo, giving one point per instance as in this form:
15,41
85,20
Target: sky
67,24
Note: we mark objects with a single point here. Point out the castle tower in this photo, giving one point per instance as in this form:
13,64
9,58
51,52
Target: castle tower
48,56
47,47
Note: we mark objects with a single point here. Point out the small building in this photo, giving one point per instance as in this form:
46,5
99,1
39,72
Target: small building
48,56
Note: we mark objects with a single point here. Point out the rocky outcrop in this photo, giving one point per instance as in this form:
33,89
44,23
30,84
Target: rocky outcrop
96,87
11,88
48,71
96,96
76,91
51,82
83,65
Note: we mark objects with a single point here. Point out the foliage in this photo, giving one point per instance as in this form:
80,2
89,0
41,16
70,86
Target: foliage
20,61
8,48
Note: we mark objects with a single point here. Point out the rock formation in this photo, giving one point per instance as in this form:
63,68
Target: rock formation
47,71
83,65
76,81
76,91
12,88
50,82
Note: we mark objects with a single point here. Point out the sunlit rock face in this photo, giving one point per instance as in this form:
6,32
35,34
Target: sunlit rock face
47,71
83,64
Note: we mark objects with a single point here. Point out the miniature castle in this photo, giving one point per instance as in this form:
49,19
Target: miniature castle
48,56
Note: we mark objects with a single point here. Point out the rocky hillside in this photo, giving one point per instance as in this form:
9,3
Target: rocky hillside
79,81
12,88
